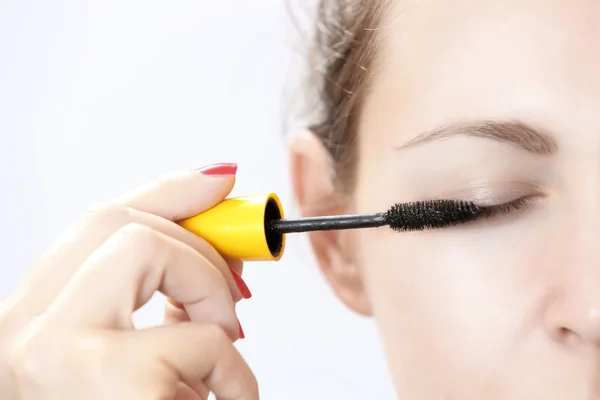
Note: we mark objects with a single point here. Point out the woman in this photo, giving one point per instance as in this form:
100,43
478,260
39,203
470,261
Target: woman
494,102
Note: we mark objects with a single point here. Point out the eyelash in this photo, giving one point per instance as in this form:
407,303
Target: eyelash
507,208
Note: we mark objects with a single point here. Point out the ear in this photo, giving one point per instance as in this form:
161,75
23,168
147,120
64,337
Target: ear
314,188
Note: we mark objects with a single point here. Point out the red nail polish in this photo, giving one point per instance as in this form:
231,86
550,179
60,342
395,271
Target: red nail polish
242,335
241,284
225,169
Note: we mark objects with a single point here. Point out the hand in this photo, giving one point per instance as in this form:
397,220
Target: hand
67,333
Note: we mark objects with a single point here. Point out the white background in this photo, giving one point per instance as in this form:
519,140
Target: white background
99,96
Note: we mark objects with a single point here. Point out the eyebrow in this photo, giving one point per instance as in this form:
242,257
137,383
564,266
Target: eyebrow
514,133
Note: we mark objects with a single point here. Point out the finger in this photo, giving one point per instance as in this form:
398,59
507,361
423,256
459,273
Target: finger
236,265
126,270
58,265
198,353
200,389
183,194
236,268
184,392
174,313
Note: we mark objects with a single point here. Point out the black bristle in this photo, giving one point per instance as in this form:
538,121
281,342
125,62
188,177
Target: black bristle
424,215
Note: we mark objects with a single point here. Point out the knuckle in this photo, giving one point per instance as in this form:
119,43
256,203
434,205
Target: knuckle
228,323
108,213
245,384
149,247
140,235
217,336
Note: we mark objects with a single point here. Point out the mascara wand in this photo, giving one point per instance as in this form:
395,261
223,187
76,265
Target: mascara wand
402,217
254,227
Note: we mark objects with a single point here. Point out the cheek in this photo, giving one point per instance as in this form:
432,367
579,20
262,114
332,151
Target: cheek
455,297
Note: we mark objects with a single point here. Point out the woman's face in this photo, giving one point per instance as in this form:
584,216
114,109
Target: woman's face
504,98
509,307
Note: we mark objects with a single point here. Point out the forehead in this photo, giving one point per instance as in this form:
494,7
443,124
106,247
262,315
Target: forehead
441,61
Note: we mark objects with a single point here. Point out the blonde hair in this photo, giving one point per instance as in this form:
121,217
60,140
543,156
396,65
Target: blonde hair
344,47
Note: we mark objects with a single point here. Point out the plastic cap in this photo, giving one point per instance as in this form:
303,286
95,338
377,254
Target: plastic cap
236,228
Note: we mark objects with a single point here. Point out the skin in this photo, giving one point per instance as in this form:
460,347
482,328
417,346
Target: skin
507,307
66,332
504,308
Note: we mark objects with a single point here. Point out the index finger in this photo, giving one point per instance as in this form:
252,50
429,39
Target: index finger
175,196
182,195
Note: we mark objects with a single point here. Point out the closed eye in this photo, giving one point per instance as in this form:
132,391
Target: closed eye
507,208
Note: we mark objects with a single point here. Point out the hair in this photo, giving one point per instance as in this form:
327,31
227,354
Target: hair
340,65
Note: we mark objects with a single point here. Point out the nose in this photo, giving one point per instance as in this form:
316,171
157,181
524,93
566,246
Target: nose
573,317
572,313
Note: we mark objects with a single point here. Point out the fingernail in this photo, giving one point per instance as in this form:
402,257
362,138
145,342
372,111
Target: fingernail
242,335
224,169
175,304
241,284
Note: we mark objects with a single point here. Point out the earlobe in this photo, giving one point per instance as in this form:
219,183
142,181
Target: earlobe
314,187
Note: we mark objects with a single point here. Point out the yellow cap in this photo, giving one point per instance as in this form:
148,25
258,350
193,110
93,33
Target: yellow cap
236,228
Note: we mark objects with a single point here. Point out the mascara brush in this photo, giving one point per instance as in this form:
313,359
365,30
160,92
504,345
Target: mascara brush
254,228
402,217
